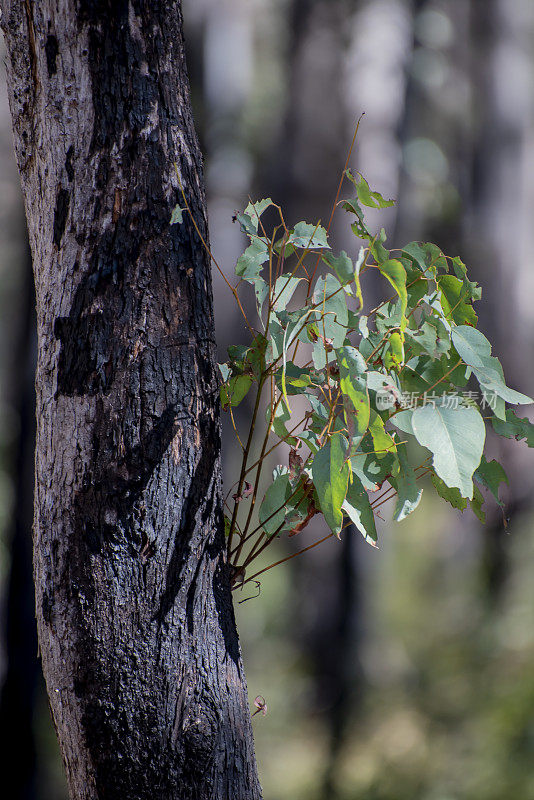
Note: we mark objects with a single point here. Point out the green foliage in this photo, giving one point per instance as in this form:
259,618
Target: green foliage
358,397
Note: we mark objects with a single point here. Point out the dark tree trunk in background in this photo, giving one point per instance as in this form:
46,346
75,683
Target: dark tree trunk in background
135,619
17,700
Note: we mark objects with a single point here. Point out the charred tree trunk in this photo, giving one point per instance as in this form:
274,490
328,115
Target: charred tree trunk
135,619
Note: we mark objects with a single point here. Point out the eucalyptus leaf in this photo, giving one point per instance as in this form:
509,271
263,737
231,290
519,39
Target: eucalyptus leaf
309,237
396,275
330,475
284,290
515,428
342,266
475,350
272,511
451,495
408,494
250,262
330,300
456,439
358,508
491,474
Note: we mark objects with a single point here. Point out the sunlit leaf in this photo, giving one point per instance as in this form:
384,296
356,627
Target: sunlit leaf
358,508
330,475
475,350
365,195
455,301
396,275
456,439
408,494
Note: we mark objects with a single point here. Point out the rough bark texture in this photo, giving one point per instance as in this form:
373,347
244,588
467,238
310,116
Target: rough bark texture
135,620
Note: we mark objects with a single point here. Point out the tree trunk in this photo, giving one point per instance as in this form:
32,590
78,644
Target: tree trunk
135,619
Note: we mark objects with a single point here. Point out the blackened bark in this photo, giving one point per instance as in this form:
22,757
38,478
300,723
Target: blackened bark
135,620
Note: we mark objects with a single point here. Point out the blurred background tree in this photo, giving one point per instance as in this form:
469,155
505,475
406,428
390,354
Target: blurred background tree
406,672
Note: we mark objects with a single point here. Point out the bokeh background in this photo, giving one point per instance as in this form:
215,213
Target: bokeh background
393,674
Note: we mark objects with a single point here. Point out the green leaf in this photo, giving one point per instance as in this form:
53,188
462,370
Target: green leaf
382,441
396,275
491,474
471,288
261,290
362,326
359,263
415,289
342,266
476,504
372,468
366,196
421,373
255,356
284,289
430,338
377,248
272,512
353,385
281,416
309,237
296,378
358,227
233,392
329,299
310,439
225,371
249,220
453,296
408,495
451,495
515,428
330,475
249,264
456,439
475,350
403,421
393,356
177,215
420,258
358,508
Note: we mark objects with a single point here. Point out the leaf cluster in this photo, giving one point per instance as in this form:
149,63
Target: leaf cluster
333,379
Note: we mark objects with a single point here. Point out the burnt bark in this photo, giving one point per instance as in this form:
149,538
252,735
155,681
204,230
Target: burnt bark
135,620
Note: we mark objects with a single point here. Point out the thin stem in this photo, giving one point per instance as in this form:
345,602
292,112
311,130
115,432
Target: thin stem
245,459
334,206
287,558
258,548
